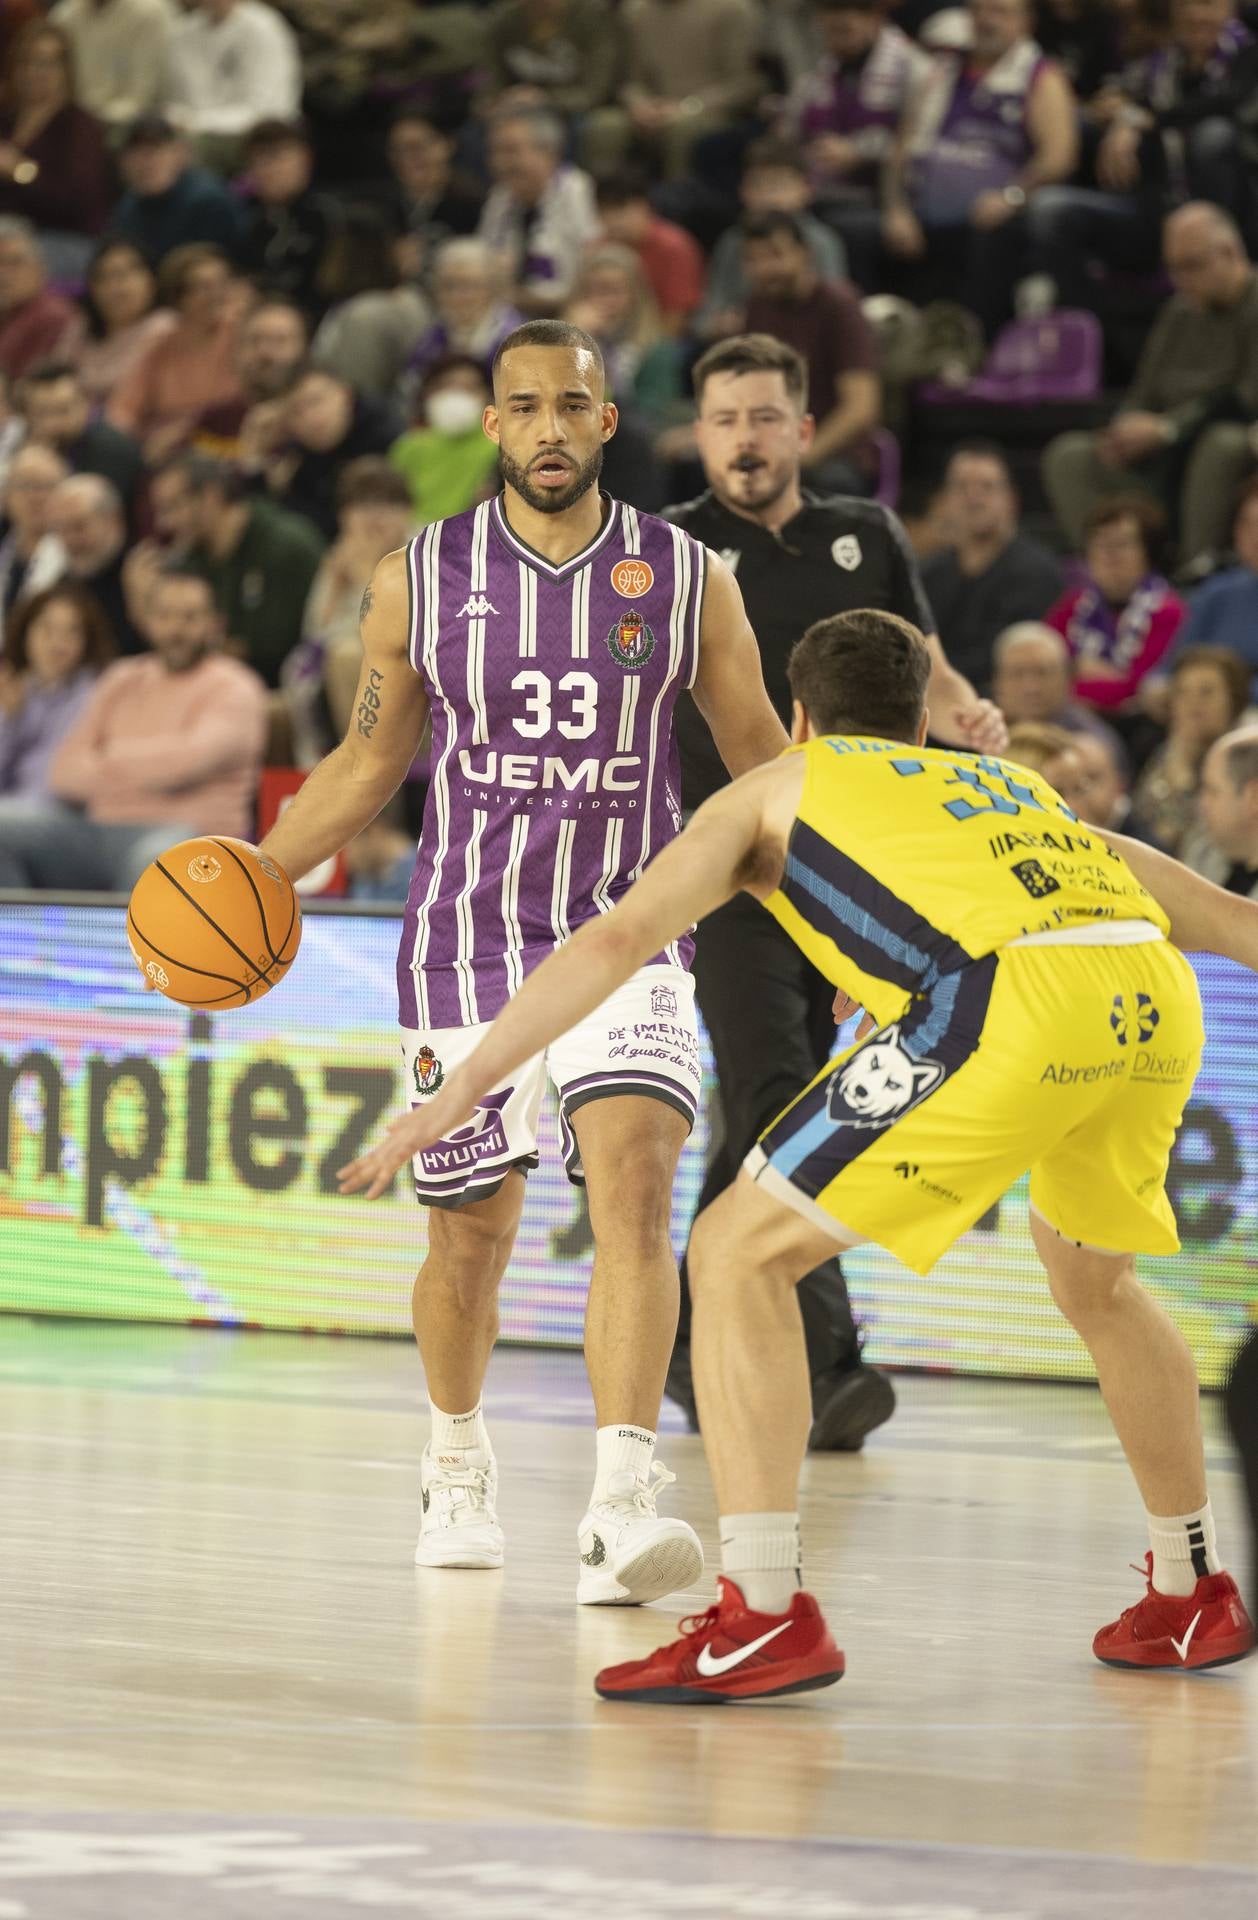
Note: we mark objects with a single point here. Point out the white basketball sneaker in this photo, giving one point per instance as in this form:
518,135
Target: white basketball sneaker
629,1555
459,1526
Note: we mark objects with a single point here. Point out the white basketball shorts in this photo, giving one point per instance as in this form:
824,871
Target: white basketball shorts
642,1041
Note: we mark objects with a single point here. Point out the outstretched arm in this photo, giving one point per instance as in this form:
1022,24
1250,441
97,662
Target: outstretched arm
729,687
698,872
347,790
1204,918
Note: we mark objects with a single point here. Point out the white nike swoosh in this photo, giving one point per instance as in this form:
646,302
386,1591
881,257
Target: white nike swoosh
709,1665
1182,1651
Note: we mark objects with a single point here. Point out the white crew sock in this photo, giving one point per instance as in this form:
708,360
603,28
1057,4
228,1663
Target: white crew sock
458,1432
620,1449
760,1553
1183,1549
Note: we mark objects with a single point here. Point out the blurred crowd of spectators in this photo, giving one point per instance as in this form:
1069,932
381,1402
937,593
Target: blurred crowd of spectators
255,259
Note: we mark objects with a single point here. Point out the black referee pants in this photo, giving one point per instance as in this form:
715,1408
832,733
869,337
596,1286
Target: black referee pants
769,1018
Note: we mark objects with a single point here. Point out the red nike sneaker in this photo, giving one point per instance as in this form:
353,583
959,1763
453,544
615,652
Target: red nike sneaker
731,1653
1208,1627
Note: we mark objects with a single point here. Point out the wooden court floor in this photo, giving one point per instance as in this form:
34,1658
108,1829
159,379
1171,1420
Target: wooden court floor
227,1692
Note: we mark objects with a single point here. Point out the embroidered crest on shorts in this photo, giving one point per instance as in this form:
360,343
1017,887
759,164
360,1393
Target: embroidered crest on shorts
429,1072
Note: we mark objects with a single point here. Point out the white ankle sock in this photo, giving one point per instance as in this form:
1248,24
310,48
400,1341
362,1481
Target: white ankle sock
456,1432
760,1552
1183,1549
620,1449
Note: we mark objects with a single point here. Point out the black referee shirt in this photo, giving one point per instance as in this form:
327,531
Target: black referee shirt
836,555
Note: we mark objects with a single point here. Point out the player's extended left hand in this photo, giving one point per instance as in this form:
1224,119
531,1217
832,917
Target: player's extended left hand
406,1136
982,727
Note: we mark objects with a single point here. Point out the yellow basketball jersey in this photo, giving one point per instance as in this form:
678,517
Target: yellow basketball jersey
906,863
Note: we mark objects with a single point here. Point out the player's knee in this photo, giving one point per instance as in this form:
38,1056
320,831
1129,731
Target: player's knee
635,1219
470,1247
1089,1286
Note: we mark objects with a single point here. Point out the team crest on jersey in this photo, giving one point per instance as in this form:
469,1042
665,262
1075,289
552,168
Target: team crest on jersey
205,867
664,1001
880,1082
632,578
846,552
631,642
429,1072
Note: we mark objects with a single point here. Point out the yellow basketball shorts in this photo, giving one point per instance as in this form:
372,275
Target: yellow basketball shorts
1074,1061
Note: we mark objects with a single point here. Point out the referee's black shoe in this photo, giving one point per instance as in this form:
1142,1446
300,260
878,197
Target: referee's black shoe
847,1402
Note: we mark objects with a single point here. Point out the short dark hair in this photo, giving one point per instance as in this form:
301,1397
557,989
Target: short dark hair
753,353
862,672
548,333
149,130
310,369
1150,521
772,152
46,373
1234,671
771,225
182,576
623,188
980,449
202,473
179,266
450,363
1240,759
265,135
371,481
98,636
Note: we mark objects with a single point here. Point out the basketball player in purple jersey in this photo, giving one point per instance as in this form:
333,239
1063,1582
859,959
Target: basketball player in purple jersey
548,634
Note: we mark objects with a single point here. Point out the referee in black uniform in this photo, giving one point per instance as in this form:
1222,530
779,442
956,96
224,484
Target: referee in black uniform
769,1014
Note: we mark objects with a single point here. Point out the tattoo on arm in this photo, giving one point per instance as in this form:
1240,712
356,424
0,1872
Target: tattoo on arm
370,704
365,604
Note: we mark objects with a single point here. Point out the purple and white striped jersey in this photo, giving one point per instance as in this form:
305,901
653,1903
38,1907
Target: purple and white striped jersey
554,768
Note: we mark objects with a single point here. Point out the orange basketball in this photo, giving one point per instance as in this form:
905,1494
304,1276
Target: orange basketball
214,923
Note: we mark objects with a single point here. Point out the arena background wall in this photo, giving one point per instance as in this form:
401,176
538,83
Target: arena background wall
164,1166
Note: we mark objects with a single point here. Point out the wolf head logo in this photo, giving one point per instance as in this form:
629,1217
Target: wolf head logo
879,1082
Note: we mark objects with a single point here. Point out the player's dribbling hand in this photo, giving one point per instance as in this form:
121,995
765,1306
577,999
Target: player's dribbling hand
983,727
405,1137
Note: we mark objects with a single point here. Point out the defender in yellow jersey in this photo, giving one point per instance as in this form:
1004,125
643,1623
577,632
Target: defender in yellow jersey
1028,1010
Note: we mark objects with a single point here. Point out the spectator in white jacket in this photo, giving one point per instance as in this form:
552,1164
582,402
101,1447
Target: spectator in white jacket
540,214
231,64
120,55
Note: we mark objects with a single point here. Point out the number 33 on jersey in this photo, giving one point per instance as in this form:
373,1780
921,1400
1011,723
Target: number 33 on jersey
554,769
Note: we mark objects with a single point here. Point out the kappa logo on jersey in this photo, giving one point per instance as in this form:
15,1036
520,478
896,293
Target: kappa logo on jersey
429,1072
632,578
880,1083
846,552
1144,1017
476,608
631,642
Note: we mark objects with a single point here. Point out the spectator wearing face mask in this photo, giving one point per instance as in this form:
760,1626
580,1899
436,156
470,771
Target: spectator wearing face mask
1122,621
446,459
